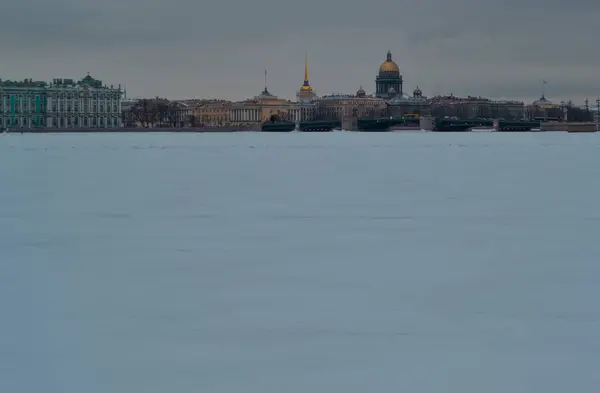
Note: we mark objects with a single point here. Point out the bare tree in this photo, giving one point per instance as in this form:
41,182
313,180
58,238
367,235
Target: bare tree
172,114
147,111
141,112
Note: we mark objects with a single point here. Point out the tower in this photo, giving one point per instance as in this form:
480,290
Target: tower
306,91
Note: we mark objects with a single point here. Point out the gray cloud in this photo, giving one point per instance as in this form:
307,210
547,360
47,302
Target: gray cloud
185,48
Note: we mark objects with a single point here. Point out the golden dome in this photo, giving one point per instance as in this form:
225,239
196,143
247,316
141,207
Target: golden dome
389,65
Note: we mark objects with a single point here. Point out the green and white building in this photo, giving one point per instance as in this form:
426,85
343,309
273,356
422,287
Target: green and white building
63,103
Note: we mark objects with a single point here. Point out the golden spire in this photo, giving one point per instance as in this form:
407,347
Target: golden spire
306,86
305,66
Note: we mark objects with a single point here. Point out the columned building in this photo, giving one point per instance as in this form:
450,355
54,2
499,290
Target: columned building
63,103
23,104
268,107
388,82
87,103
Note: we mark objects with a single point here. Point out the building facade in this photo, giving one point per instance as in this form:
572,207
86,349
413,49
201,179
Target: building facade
544,109
23,104
416,105
128,118
267,107
63,103
180,113
348,108
388,82
476,107
212,113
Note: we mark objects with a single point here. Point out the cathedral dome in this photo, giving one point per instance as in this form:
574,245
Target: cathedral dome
361,92
389,66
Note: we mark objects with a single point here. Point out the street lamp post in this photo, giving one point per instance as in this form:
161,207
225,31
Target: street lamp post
563,106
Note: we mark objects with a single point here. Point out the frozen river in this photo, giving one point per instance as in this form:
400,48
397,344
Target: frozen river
334,262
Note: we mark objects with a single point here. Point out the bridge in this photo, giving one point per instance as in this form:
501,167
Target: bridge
412,123
374,124
382,124
454,125
319,126
515,125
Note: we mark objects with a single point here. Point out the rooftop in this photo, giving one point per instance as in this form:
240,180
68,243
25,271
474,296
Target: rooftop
471,99
87,81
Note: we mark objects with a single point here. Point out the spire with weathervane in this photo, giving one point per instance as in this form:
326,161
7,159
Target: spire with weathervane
306,85
306,91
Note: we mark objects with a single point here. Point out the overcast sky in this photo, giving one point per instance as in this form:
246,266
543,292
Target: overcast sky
208,48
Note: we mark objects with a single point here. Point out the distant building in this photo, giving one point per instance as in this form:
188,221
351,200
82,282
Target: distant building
63,103
181,113
475,107
266,107
127,117
348,108
399,105
212,113
543,103
544,108
388,82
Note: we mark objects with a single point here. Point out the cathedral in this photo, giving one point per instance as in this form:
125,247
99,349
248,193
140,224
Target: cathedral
388,82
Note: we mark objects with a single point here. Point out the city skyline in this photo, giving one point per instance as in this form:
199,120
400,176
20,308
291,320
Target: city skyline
481,49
